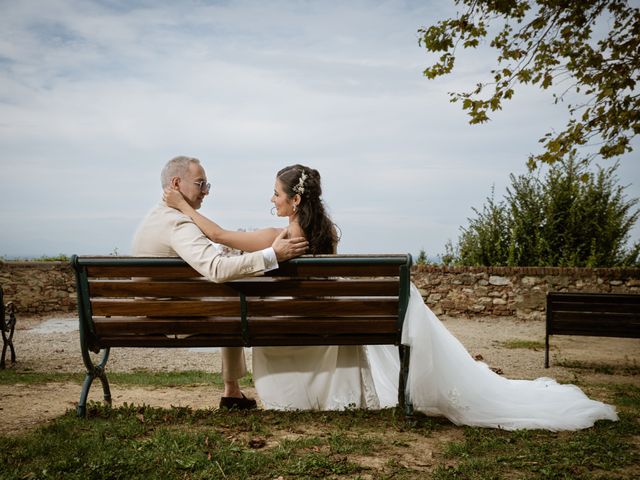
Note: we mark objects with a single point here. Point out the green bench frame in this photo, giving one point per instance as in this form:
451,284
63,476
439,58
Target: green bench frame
310,300
591,314
7,328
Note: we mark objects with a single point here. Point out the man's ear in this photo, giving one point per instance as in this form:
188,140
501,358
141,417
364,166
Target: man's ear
175,183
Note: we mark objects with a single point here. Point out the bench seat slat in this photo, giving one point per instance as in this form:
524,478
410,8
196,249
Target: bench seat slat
128,271
263,287
332,339
285,270
321,325
162,341
311,270
327,287
231,307
324,308
157,341
591,332
593,297
186,288
606,307
105,326
110,326
177,308
595,318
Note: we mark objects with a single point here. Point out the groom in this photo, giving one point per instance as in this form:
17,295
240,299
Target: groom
165,232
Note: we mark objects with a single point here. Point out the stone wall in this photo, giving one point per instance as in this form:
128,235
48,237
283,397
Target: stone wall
38,288
48,287
513,291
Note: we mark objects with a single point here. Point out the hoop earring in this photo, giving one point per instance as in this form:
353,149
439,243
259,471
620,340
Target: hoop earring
273,210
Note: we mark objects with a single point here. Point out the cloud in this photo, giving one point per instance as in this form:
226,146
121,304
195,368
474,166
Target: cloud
95,96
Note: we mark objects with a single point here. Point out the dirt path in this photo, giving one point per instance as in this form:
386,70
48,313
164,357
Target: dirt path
51,344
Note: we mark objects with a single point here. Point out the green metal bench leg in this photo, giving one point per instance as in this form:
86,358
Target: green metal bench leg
82,404
105,389
546,352
7,327
93,372
88,380
8,344
403,395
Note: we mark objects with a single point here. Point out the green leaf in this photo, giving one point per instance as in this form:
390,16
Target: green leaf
558,45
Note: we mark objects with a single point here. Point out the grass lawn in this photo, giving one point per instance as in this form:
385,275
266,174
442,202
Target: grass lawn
134,441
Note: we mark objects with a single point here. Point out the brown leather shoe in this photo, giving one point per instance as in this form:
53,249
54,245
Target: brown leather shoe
243,403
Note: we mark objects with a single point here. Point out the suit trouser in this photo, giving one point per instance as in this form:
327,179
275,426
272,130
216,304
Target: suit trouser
234,366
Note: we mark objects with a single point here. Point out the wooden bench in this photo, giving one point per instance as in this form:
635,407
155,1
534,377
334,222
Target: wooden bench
311,300
592,314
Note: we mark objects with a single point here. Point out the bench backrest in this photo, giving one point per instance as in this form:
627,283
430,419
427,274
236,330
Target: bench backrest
599,314
311,300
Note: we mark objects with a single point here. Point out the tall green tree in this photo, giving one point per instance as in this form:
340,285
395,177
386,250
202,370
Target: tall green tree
570,217
590,47
486,240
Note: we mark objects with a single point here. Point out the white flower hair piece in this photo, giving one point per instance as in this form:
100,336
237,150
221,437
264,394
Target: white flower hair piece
299,188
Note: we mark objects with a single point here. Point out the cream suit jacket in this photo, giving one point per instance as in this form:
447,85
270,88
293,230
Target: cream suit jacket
166,232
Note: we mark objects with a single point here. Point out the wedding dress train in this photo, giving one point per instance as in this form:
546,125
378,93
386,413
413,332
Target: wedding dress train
443,380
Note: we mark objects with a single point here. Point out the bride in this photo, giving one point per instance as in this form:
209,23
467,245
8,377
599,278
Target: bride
443,378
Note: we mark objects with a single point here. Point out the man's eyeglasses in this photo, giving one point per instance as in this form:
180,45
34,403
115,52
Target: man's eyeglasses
203,186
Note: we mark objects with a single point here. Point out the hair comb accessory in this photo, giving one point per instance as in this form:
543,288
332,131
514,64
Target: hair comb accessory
299,188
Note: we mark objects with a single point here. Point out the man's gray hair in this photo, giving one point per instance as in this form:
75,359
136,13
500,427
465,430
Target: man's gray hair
176,167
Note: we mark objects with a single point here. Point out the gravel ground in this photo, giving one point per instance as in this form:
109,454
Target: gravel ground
51,344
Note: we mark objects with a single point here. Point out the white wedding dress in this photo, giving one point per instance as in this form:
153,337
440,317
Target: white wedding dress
443,380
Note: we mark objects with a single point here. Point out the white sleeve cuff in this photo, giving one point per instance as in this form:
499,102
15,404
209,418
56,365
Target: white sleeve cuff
270,260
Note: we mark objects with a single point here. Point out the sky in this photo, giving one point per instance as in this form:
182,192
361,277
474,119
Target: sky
97,95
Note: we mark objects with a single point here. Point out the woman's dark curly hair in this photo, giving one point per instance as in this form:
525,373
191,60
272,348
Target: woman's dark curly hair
318,228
